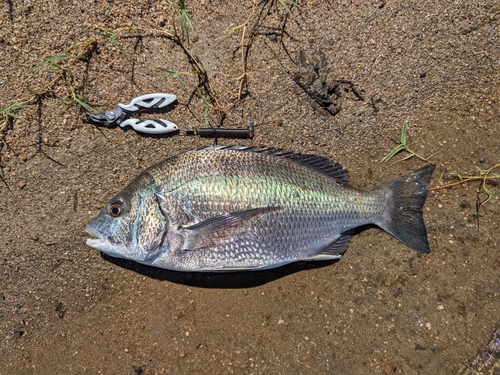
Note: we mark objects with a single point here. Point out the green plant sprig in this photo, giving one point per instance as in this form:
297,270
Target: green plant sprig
185,23
483,174
77,51
402,146
51,62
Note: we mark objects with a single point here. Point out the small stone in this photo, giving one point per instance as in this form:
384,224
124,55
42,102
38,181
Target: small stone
389,367
21,184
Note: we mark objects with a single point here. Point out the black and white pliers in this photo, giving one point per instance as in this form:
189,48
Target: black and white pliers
144,102
157,101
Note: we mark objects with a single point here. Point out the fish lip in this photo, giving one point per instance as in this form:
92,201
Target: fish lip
93,232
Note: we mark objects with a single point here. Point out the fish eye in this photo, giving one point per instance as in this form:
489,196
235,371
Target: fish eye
115,209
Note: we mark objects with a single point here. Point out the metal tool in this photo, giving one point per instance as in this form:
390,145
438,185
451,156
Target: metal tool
157,101
149,101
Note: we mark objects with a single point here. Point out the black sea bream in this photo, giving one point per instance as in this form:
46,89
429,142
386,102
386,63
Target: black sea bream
236,208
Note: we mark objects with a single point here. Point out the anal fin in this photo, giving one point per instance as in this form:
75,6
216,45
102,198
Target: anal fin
335,249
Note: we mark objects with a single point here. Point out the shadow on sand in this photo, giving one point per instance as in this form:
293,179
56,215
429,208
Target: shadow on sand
222,280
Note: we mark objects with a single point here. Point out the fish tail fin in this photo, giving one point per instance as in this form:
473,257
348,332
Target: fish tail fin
404,217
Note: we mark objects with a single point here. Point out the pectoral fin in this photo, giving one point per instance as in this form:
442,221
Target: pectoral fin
212,232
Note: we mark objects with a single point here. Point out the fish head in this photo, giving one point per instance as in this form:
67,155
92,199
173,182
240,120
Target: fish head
130,226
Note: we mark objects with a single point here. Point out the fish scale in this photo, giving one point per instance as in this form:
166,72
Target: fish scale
236,208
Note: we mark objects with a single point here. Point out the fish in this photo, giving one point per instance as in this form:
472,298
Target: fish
236,208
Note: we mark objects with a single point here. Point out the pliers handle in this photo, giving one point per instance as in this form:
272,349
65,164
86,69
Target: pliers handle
148,101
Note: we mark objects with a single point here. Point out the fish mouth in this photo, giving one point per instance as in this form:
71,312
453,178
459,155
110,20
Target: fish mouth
103,243
97,242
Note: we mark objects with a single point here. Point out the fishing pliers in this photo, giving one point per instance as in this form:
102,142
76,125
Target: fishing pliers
157,101
148,101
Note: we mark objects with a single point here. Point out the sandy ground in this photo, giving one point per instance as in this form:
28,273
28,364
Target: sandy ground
337,80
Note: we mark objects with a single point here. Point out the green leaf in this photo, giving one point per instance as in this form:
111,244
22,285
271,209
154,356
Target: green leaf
79,100
8,110
403,133
395,150
293,3
52,61
173,73
108,35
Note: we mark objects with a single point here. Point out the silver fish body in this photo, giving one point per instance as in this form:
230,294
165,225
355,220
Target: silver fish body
236,208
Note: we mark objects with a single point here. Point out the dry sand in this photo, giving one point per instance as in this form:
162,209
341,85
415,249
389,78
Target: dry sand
337,80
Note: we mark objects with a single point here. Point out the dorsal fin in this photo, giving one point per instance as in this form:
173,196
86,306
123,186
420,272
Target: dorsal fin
318,163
